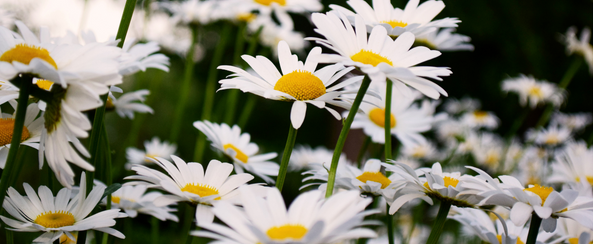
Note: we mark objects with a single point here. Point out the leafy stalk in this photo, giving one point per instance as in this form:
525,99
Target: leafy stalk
292,132
439,223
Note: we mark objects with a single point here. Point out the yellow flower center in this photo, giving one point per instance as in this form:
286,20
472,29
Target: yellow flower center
24,53
377,115
64,239
541,191
480,115
55,220
301,84
6,128
376,177
518,240
269,2
395,23
492,159
552,139
239,154
589,179
246,17
201,190
287,231
449,181
109,104
115,199
368,57
44,84
536,92
150,155
418,151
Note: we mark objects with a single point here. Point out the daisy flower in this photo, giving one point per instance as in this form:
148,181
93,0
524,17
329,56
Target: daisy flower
153,149
58,215
533,91
445,40
192,11
140,56
573,166
31,130
379,56
310,219
370,180
425,150
125,105
415,19
551,136
161,28
265,7
488,151
582,46
456,106
134,199
272,33
237,146
574,122
408,119
305,157
187,182
573,232
478,119
299,83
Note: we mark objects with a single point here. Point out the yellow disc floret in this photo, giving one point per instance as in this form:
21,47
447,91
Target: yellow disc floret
377,115
480,115
44,84
395,23
376,177
536,92
115,199
6,128
269,2
201,190
541,191
518,240
24,53
589,179
368,57
287,231
239,154
55,220
448,181
301,84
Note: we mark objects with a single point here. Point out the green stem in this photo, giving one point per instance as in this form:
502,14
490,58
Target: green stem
439,223
9,237
363,150
210,90
536,221
387,122
518,123
185,86
292,132
154,226
233,94
26,82
20,158
572,70
253,42
390,235
344,134
187,222
107,172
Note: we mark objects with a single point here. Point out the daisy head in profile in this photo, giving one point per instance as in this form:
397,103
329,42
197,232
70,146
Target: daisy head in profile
297,82
534,91
31,130
379,56
42,212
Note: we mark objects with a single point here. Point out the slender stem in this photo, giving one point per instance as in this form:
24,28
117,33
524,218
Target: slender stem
344,134
363,150
106,171
536,221
9,237
292,132
20,158
154,226
210,90
439,223
185,86
233,94
187,222
387,123
572,70
390,227
518,123
253,42
26,82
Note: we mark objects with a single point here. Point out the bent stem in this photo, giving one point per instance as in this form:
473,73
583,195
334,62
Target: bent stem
387,124
344,134
390,227
292,132
185,86
536,221
439,223
572,70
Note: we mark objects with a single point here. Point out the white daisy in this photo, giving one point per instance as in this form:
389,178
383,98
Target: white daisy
265,7
140,56
305,157
58,215
574,122
534,91
573,166
187,182
298,82
134,199
153,149
237,146
488,151
582,46
311,219
457,106
415,19
445,40
379,56
192,11
573,232
126,105
425,150
551,136
161,28
408,119
479,118
30,134
272,33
